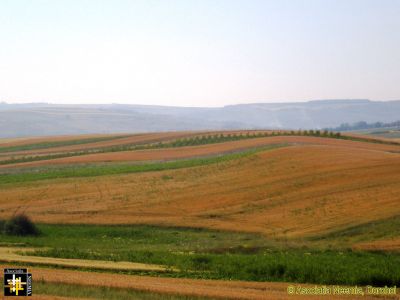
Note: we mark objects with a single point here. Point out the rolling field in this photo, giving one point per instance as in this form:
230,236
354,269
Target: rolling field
392,134
46,146
207,205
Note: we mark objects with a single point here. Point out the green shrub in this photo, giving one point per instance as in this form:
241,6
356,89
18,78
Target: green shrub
20,225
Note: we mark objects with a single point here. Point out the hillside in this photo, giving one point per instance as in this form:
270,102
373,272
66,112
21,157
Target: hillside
299,186
43,119
202,214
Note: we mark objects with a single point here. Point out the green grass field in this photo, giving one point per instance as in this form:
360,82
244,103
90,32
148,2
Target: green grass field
382,229
200,253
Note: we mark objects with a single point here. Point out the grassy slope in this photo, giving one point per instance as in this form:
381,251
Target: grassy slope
200,253
379,229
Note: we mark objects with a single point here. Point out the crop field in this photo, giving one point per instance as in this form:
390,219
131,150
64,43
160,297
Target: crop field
45,146
382,133
203,214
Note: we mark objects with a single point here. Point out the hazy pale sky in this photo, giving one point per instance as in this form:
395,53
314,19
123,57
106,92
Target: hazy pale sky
198,53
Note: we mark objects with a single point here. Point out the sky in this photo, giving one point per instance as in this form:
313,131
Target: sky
198,53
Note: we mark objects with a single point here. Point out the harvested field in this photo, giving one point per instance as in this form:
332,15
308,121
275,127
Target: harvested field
392,244
205,150
321,192
113,141
151,155
370,136
191,287
11,142
104,141
288,192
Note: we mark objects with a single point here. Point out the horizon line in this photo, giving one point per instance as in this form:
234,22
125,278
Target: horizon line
188,106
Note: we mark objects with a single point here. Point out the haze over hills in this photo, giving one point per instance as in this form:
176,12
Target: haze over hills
41,119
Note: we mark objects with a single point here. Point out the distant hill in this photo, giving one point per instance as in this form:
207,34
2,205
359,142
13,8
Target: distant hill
362,125
41,119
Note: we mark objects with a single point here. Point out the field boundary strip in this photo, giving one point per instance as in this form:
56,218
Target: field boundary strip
12,255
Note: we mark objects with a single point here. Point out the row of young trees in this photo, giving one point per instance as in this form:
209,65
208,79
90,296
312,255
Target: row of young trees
216,138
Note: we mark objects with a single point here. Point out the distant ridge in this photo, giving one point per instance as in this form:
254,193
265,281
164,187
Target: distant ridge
41,119
343,101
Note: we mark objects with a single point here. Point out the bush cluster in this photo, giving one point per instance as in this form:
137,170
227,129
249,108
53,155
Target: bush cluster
19,225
